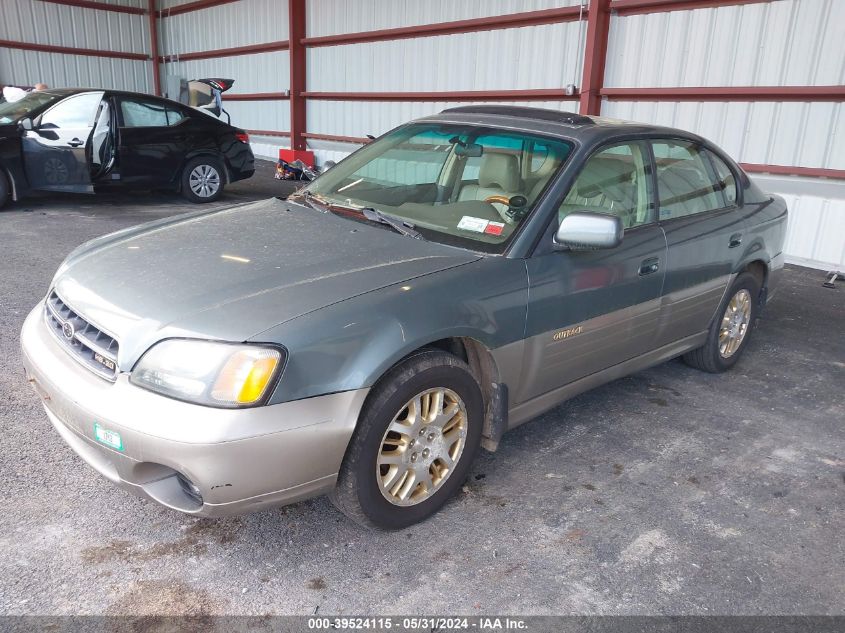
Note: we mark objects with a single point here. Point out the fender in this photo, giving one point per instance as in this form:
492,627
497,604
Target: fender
350,344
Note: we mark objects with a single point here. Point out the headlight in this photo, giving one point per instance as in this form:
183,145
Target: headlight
209,373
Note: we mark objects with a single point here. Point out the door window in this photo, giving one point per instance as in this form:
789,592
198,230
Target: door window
685,184
615,181
73,113
143,113
725,180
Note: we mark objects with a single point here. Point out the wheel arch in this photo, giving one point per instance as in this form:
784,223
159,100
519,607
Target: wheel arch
199,153
485,370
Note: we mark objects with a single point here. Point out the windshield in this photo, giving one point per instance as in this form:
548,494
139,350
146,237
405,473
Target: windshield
14,111
457,184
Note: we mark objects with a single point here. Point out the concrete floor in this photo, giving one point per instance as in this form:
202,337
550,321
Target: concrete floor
668,492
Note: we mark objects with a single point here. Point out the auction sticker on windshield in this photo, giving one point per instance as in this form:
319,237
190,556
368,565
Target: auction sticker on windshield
476,225
111,439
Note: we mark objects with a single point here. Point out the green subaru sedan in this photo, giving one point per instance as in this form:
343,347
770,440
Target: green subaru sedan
367,336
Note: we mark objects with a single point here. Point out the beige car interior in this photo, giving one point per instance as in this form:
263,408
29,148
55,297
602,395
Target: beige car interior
501,174
612,182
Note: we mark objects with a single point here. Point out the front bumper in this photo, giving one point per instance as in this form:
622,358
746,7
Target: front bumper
238,460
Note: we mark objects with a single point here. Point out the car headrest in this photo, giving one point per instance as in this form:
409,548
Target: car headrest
608,176
499,170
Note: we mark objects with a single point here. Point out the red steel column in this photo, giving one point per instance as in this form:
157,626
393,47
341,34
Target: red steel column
151,11
296,51
595,54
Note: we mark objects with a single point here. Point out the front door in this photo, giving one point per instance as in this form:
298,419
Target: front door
589,310
698,211
55,151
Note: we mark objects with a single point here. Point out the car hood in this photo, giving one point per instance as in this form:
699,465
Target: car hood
233,274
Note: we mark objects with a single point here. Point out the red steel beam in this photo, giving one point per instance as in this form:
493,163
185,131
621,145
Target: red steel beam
728,93
595,55
71,50
101,6
634,7
268,133
541,94
151,14
785,170
513,20
361,140
192,6
297,57
256,96
252,49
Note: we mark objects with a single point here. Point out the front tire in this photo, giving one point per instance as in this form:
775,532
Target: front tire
4,189
415,441
729,333
202,179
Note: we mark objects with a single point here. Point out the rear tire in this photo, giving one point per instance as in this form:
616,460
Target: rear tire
415,441
203,179
731,328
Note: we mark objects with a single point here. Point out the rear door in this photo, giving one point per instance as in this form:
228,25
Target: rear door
153,139
590,310
56,149
698,210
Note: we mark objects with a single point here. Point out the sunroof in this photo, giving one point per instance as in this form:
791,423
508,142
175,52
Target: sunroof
526,113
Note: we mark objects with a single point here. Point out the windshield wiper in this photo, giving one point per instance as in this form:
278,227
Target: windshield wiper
311,200
373,215
400,226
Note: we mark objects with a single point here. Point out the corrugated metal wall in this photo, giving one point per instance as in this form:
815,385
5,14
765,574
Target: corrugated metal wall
780,43
242,23
53,24
783,43
333,17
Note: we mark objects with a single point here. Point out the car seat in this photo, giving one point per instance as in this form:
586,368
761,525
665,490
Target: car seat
498,175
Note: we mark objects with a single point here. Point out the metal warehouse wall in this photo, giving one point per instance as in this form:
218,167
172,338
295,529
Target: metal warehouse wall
99,33
765,79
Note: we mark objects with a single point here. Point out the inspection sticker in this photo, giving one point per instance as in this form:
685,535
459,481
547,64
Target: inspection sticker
111,439
494,228
476,225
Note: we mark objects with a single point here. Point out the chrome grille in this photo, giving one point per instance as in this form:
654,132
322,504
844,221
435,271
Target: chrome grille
92,347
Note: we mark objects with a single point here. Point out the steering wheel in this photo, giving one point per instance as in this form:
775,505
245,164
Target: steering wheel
505,200
516,207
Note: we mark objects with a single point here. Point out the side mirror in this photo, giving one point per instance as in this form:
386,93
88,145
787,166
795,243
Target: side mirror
26,124
584,230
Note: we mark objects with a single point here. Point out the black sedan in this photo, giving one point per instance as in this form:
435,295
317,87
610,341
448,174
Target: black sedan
84,141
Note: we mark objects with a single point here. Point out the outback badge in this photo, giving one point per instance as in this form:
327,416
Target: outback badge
570,331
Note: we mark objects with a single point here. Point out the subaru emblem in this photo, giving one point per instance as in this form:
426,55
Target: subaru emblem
67,330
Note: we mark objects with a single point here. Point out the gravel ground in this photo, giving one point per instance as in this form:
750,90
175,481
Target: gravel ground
667,492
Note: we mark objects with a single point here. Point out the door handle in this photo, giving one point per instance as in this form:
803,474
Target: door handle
75,142
736,240
648,266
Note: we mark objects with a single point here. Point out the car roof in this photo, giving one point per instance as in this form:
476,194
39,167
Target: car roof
587,129
66,92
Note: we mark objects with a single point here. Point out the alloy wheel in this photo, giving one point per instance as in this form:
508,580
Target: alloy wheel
422,446
204,181
735,323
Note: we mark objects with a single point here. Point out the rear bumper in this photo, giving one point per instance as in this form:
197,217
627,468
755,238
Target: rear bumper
237,460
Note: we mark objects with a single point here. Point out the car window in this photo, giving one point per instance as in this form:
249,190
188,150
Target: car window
458,184
615,181
685,185
417,161
143,113
725,180
75,112
12,111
